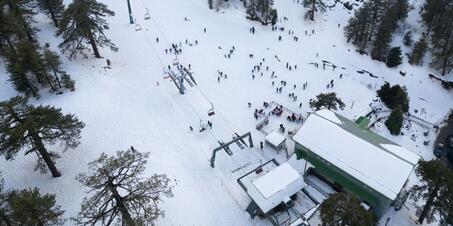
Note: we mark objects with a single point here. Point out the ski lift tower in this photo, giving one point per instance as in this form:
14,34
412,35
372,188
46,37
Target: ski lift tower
182,74
131,19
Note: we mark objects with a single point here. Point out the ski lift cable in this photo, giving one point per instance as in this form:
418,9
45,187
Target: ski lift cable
216,139
194,110
206,98
190,104
199,89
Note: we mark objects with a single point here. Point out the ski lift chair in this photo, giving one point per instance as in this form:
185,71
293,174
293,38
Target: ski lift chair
147,15
137,26
211,111
175,61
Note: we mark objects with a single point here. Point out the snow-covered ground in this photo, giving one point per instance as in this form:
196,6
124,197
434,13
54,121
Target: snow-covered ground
132,103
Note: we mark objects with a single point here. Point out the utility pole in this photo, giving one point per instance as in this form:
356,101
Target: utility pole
131,20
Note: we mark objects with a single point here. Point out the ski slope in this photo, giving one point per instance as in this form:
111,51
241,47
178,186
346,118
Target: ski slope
132,103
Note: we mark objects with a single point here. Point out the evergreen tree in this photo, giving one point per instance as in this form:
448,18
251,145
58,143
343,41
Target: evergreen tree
29,207
386,28
53,8
327,100
8,29
5,210
274,17
394,96
22,12
27,70
53,65
375,22
120,191
407,39
262,11
433,10
436,188
344,209
252,12
84,20
313,6
23,126
438,17
210,4
362,26
442,41
31,71
395,121
418,52
394,57
402,8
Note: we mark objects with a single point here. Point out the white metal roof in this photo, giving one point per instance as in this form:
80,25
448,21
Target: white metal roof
275,138
384,171
272,188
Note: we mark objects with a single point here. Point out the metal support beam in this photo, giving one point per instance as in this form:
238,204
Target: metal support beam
225,146
131,19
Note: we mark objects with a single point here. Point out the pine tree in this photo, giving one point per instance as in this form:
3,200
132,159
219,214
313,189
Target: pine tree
407,39
313,6
27,70
386,28
442,41
274,17
53,64
436,188
53,8
31,71
362,26
327,100
433,11
418,52
210,4
8,29
5,210
120,191
402,8
22,12
84,20
252,13
394,57
344,209
395,121
394,96
23,126
29,207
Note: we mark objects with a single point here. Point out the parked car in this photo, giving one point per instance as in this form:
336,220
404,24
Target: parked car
439,149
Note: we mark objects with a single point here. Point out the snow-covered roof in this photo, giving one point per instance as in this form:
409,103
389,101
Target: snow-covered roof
275,138
270,189
384,168
329,115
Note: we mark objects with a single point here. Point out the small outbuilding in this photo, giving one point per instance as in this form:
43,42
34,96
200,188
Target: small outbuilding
276,141
273,189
